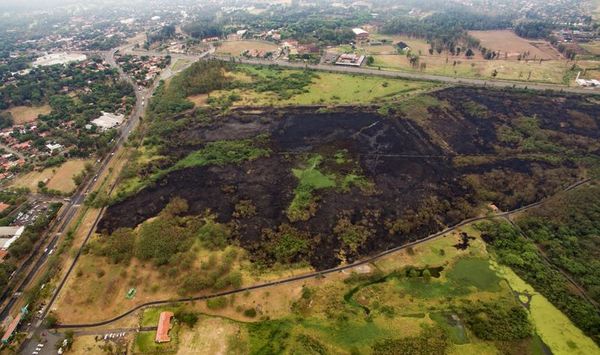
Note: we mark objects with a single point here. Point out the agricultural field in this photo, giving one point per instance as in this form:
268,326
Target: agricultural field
236,48
55,178
511,46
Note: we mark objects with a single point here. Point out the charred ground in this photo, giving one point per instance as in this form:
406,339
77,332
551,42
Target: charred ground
376,177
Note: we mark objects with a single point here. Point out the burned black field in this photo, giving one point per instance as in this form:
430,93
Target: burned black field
340,183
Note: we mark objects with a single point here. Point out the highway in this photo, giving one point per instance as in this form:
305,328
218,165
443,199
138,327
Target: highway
67,215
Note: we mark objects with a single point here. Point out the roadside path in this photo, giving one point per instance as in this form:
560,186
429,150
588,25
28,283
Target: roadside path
318,273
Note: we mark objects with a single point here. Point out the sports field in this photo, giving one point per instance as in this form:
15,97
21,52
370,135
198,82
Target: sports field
26,114
236,48
56,178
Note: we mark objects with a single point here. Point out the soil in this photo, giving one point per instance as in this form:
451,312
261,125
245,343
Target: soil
413,176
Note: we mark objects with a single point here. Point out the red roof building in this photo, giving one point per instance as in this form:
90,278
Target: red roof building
11,328
164,325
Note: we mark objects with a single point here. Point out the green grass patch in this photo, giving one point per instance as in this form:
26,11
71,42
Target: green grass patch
151,315
474,272
310,179
222,153
144,343
455,329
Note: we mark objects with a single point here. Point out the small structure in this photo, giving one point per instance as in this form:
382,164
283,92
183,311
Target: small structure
9,235
164,325
353,60
10,330
108,121
587,83
54,147
3,206
360,34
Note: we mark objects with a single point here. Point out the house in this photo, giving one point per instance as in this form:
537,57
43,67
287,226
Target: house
9,235
164,325
3,206
353,60
54,147
360,34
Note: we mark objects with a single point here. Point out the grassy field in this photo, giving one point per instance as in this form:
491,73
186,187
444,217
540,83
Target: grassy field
507,42
553,71
144,343
56,178
328,315
236,48
26,114
592,47
333,88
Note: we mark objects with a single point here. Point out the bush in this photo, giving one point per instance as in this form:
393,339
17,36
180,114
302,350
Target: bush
216,303
250,313
188,318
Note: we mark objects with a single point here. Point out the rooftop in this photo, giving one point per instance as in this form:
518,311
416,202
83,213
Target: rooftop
164,324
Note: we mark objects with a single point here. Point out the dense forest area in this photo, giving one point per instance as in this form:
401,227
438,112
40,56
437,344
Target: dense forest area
565,233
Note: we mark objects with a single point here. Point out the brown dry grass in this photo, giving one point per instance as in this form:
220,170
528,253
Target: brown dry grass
26,114
238,47
199,100
57,178
508,42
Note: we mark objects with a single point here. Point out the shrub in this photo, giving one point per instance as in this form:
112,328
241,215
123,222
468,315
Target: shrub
250,313
216,303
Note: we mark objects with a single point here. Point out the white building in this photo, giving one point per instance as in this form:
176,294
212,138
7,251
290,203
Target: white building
54,147
108,121
58,58
9,235
587,83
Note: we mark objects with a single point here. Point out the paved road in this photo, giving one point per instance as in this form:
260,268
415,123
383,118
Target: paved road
385,73
319,273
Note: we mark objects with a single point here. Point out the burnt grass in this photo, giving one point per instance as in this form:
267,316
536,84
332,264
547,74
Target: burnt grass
418,189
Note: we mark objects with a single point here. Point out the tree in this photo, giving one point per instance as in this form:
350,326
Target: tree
370,60
469,53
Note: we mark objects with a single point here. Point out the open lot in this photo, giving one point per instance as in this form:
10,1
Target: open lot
591,47
511,45
332,88
552,71
26,114
56,178
236,48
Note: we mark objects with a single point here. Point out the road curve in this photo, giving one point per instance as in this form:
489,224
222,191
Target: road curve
318,273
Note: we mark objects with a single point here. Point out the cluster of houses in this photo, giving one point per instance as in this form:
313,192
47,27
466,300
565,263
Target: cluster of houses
144,69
